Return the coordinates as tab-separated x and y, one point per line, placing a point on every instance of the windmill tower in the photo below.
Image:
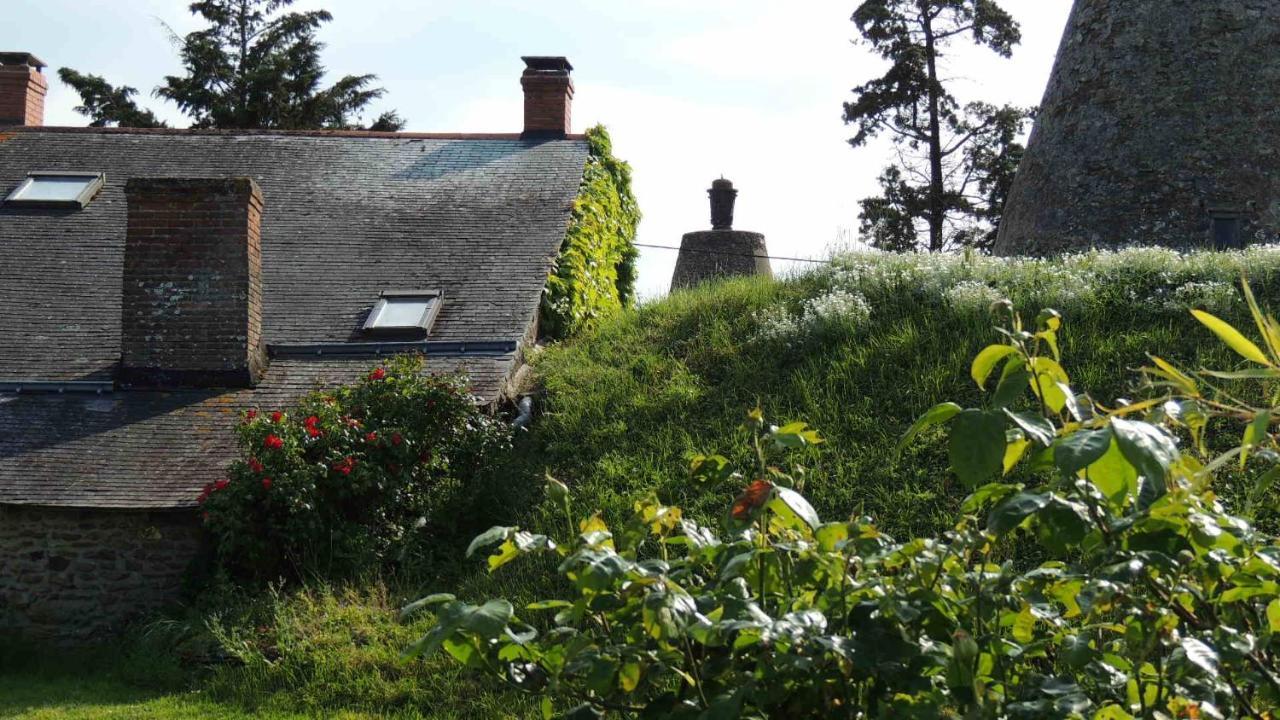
1160	126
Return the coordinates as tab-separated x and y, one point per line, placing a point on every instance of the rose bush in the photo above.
345	479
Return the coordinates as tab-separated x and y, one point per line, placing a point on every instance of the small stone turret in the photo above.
720	251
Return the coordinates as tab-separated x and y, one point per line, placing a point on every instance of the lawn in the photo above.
857	350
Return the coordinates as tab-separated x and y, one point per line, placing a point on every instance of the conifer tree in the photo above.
254	66
955	163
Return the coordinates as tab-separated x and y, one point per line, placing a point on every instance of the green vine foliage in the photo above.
596	273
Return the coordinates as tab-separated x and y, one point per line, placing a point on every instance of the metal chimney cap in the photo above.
547	64
22	58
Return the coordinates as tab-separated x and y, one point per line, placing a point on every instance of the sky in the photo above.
751	90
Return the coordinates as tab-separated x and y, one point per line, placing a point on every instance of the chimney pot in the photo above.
22	89
548	96
192	285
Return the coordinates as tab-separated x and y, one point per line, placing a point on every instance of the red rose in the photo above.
254	465
221	484
313	431
396	439
266	483
751	499
205	492
311	420
377	374
272	442
250	414
345	465
371	437
277	416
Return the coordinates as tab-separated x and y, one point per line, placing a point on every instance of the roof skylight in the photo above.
56	189
404	310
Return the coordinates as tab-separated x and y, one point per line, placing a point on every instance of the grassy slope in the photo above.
627	405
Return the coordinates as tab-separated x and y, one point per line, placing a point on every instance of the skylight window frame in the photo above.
434	298
96	180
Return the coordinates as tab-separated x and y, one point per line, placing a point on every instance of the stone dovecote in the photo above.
720	251
1158	127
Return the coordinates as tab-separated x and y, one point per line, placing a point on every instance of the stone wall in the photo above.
1159	126
76	575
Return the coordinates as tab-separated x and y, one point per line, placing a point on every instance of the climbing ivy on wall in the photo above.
596	273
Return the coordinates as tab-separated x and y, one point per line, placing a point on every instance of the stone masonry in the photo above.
75	575
192	295
721	251
1160	126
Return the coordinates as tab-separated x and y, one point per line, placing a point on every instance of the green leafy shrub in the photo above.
1156	601
596	272
344	480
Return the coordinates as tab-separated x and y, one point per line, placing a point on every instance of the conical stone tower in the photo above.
1160	126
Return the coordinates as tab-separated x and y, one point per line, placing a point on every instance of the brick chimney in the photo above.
22	89
192	295
548	97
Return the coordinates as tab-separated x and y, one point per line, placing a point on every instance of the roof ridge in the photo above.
372	134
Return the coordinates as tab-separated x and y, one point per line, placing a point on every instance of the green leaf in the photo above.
1201	655
1036	427
1112	712
1113	475
986	495
789	502
548	605
935	415
795	435
427	601
1024	625
1013	382
1050	383
489	537
1013	452
629	676
1273	616
1243	346
1080	449
977	446
1146	447
548	710
986	361
1255	434
1010	514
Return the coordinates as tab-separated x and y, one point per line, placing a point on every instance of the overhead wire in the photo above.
735	254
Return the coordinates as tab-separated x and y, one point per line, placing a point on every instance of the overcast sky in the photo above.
751	89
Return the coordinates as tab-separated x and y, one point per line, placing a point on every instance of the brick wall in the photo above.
192	295
76	575
22	91
548	104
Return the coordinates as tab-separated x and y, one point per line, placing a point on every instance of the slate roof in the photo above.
346	216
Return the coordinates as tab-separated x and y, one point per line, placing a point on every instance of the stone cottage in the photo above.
156	283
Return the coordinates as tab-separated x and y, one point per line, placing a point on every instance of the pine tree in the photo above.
955	163
105	104
254	66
